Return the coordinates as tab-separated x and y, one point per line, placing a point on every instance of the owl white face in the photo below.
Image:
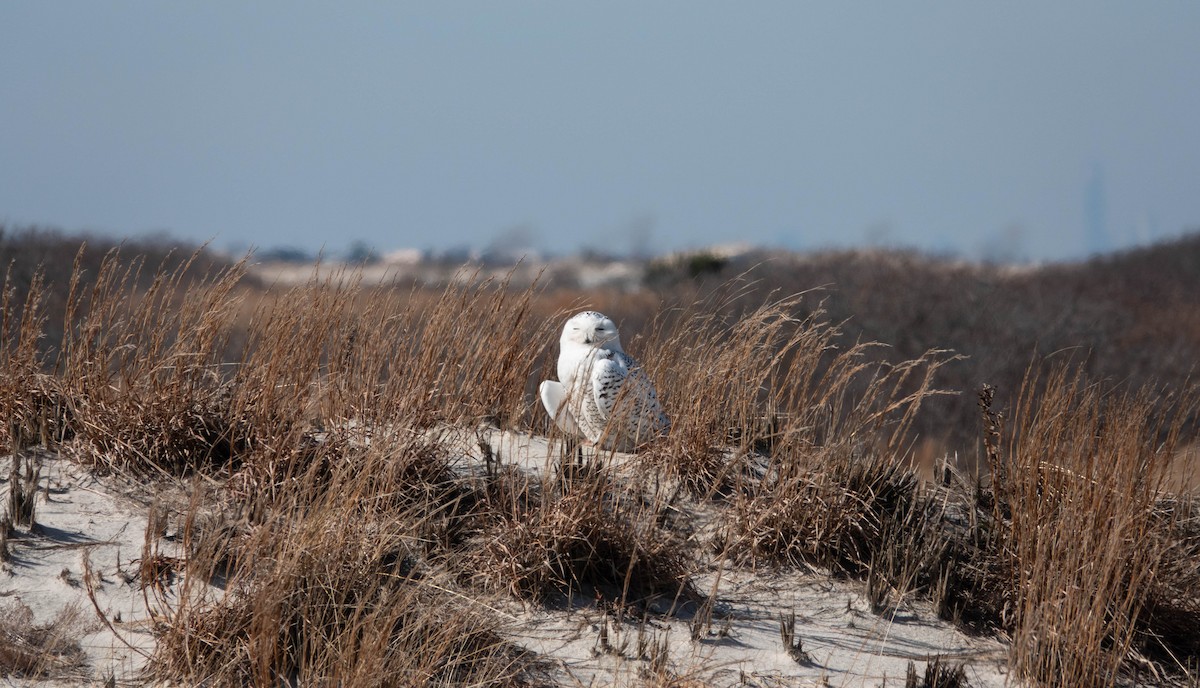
592	329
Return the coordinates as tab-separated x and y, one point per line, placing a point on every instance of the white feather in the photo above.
602	394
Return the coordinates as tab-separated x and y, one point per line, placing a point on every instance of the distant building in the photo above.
404	256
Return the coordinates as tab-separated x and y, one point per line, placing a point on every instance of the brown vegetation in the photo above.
338	536
38	650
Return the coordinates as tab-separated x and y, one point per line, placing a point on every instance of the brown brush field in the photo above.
353	483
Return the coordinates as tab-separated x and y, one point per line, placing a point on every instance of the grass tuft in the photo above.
936	675
591	541
40	650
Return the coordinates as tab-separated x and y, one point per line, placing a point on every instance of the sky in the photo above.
1022	130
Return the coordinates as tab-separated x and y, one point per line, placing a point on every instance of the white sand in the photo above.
82	517
106	519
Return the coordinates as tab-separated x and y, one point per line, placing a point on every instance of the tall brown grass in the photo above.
1084	534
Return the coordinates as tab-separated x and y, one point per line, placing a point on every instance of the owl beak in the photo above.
587	339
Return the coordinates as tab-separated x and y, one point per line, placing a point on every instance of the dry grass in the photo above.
1079	531
335	534
38	650
936	675
594	540
334	598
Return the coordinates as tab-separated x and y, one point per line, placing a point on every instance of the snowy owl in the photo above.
598	383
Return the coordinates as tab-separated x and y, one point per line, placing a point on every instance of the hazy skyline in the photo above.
1022	129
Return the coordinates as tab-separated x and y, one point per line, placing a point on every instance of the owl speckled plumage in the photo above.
601	393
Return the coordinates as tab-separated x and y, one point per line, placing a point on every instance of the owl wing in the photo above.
617	377
554	396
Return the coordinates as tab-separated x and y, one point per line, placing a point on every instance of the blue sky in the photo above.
970	127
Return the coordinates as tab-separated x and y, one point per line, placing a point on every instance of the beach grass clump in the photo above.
1079	530
593	540
341	577
334	598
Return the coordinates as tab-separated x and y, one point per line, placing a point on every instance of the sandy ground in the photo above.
89	534
846	644
104	521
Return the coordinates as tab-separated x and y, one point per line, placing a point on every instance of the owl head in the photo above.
591	329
